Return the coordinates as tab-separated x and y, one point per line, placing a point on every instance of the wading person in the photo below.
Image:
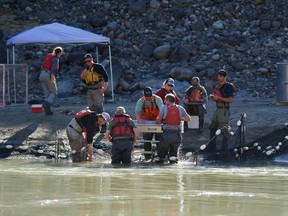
96	79
147	108
121	132
167	88
195	101
80	132
47	78
223	96
171	115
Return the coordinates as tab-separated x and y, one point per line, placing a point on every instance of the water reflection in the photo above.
48	188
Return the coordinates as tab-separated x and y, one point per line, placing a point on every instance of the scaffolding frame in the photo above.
8	70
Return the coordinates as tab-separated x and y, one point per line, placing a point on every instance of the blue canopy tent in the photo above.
56	33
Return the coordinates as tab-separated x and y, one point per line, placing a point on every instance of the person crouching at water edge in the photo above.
171	138
80	132
121	132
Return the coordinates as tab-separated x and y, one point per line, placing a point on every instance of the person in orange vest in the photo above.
223	96
80	132
147	108
122	133
167	88
170	115
195	101
47	78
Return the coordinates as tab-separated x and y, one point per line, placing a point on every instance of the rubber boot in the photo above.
201	123
224	147
212	145
47	108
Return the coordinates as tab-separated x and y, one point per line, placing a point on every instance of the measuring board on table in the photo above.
152	127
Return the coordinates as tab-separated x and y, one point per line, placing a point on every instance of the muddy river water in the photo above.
35	187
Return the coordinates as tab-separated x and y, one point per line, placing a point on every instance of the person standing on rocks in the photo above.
195	101
167	88
47	78
223	96
80	132
147	108
96	79
170	115
122	134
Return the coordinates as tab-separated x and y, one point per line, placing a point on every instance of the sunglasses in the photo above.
87	61
170	85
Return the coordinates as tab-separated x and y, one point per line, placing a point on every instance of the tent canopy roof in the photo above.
56	33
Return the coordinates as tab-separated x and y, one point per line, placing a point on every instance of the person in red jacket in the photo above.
167	88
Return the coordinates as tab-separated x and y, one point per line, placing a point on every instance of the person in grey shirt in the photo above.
170	115
47	78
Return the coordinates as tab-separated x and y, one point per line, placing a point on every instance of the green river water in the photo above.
39	188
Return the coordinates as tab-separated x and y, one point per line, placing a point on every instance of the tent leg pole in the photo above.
111	73
97	54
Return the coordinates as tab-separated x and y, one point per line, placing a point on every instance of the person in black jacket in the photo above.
81	130
96	79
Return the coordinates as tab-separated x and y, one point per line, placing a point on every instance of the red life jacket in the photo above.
122	127
220	90
173	116
47	62
150	112
82	113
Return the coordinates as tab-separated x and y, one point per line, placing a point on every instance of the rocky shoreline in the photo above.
34	135
154	39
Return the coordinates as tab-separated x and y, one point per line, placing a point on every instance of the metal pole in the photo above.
26	70
111	73
97	54
14	82
4	84
7	57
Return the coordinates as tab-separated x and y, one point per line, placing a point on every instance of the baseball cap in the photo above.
169	81
120	109
88	55
195	81
106	116
147	92
222	72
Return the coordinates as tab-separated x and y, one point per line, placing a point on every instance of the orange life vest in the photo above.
150	112
173	116
195	95
122	127
47	62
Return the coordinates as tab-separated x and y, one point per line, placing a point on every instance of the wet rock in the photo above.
162	52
